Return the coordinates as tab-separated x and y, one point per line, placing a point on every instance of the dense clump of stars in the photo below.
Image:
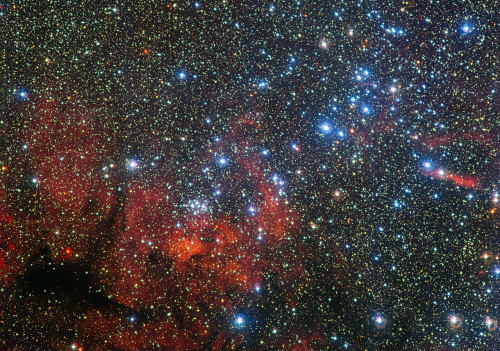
293	175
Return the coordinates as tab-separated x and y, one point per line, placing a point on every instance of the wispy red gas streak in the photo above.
461	180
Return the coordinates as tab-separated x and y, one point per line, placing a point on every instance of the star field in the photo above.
247	175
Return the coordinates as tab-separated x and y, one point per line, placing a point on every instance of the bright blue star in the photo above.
496	271
132	164
239	321
22	95
325	128
427	165
252	210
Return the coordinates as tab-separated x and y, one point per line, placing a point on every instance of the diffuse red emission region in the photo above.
10	264
480	139
461	180
197	266
384	126
68	150
212	261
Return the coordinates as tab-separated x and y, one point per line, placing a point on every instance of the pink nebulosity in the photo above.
480	138
464	181
69	148
461	180
165	255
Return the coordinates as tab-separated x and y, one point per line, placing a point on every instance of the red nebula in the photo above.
145	247
69	148
168	256
480	138
461	180
464	181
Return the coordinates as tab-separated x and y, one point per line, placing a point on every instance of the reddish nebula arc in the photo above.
465	181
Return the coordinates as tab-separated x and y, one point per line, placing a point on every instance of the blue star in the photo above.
427	165
132	164
239	321
325	128
22	95
263	85
466	28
